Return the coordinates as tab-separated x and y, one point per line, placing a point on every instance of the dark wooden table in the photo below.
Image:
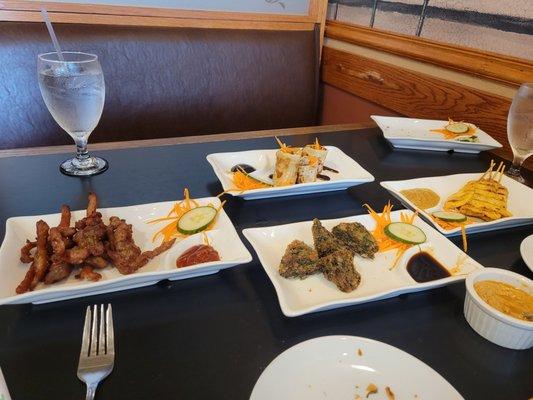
211	337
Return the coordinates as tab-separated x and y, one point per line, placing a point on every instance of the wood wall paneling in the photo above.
340	107
415	94
507	69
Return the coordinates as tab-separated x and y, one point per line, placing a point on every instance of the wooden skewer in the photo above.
280	143
499	167
488	171
496	172
501	174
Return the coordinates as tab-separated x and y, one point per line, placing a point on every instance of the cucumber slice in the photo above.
469	139
457	127
405	233
450	216
196	220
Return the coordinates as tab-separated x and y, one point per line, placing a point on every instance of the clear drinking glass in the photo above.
74	92
520	129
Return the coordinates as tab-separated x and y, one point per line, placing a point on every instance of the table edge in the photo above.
42	150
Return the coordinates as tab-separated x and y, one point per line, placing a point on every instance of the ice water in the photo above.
74	98
520	123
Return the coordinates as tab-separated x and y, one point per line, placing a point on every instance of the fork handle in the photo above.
91	390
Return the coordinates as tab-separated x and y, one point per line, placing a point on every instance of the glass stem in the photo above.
514	170
81	150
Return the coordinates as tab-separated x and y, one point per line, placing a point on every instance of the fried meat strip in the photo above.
57	242
25	285
57	272
40	261
122	250
91	237
76	255
25	255
88	274
64	225
146	256
91	230
96	262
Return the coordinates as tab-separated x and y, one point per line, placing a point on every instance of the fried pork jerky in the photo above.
299	261
338	267
325	242
356	238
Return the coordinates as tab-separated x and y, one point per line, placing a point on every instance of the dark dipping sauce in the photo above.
424	268
243	167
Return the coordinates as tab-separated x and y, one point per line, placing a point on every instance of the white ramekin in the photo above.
492	324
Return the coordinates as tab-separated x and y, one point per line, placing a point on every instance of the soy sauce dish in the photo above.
496	326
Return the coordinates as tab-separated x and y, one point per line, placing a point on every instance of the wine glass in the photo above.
74	92
520	129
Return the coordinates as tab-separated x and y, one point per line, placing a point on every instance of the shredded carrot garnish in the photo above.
286	149
386	243
244	182
449	225
170	231
316	145
450	135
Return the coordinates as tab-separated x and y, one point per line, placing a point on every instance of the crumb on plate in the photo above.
371	389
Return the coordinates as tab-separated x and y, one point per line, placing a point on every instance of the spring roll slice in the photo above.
286	171
308	169
320	154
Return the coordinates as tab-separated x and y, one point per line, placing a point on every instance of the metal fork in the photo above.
97	354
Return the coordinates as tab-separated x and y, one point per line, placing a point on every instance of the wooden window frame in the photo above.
29	11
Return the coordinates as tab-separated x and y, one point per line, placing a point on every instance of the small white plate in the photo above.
526	250
330	367
223	238
519	203
315	293
411	133
350	173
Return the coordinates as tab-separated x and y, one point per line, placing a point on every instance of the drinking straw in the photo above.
52	34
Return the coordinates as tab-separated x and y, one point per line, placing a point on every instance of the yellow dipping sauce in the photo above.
421	197
505	298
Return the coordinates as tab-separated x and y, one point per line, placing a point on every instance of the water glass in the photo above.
520	129
73	90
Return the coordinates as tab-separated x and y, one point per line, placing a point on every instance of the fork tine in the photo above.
86	338
110	334
94	333
101	330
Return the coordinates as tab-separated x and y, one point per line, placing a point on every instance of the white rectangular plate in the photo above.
350	173
520	201
222	237
315	293
411	133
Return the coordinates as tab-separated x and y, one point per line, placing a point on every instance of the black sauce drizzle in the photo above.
326	168
243	167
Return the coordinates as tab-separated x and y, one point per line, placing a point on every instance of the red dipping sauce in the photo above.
196	255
